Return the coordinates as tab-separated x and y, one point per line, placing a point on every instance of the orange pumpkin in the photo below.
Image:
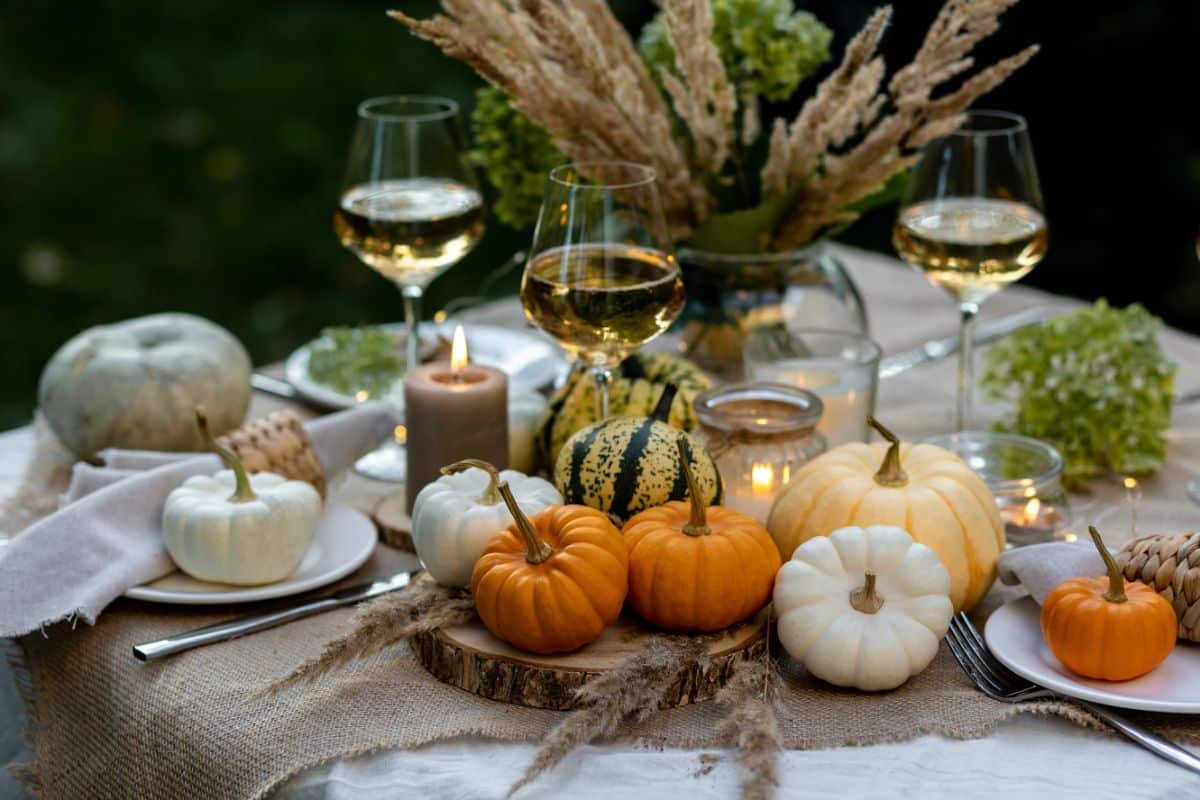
1106	628
552	583
698	569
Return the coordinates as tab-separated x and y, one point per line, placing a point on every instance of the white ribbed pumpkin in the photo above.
927	491
455	516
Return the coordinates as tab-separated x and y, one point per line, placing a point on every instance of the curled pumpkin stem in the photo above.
244	492
698	520
536	549
1116	580
865	598
890	473
491	495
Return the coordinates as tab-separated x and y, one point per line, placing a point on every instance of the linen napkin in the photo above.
107	537
1041	567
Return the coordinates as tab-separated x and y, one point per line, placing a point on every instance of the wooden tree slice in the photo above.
393	523
470	658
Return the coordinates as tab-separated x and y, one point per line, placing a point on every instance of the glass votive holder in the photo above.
1024	474
759	434
840	367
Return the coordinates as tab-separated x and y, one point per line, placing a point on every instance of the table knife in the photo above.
223	631
937	349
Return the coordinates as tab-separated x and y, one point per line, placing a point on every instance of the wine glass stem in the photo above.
966	372
603	378
412	315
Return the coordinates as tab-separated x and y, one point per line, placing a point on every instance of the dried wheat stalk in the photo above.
704	98
635	687
571	68
886	126
383	622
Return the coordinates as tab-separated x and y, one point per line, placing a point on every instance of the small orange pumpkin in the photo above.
698	569
1106	628
552	583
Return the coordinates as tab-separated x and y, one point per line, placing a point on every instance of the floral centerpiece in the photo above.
747	198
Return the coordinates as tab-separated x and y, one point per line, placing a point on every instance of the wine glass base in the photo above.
387	463
1193	490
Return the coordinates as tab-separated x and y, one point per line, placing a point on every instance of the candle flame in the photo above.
762	478
458	350
1032	508
1130	483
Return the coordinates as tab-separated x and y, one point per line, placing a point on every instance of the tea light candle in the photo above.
1032	521
453	410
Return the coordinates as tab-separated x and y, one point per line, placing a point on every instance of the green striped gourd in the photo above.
635	388
624	465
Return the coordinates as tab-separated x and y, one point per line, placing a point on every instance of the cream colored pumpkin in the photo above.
456	516
863	608
928	491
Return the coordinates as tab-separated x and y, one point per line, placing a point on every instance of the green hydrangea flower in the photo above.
515	155
1095	384
768	48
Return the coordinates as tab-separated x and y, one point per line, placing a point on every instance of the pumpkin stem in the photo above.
865	598
890	473
1116	581
243	492
490	495
662	410
536	550
697	524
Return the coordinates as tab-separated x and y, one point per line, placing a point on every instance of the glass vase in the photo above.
729	297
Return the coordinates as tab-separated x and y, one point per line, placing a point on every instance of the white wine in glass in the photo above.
972	221
410	210
601	277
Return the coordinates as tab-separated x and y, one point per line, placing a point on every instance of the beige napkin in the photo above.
1041	567
106	537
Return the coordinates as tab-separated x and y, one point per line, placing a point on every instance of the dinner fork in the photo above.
1000	683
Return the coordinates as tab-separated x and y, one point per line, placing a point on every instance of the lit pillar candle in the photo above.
847	396
453	410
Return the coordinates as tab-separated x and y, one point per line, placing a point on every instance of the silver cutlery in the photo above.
276	387
223	631
999	683
938	349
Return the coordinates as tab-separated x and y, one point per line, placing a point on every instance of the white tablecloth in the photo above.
1027	757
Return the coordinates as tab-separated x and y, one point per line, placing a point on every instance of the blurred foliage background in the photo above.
187	156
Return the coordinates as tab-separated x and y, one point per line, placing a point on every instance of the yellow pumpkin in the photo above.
552	583
697	569
1106	628
928	491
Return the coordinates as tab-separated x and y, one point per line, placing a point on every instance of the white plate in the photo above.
344	539
530	362
1014	636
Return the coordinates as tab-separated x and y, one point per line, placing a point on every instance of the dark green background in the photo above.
186	156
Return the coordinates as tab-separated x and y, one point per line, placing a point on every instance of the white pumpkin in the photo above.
525	409
455	516
215	534
863	607
135	384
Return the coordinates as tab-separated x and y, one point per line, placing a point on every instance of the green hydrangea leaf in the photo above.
1095	384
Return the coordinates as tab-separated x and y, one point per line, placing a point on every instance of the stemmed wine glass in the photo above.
972	220
409	209
601	276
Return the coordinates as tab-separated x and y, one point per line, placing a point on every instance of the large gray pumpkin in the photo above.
136	384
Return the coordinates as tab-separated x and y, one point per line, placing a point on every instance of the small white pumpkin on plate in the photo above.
237	529
455	516
864	608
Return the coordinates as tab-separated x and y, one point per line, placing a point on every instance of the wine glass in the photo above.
409	209
972	220
601	276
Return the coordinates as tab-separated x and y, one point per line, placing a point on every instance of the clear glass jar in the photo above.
760	434
1024	474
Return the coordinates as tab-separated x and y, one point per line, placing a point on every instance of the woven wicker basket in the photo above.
1171	564
277	443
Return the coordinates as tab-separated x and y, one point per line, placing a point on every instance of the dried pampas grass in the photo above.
383	622
750	721
885	127
634	688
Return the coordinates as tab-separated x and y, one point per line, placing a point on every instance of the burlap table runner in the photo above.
106	726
